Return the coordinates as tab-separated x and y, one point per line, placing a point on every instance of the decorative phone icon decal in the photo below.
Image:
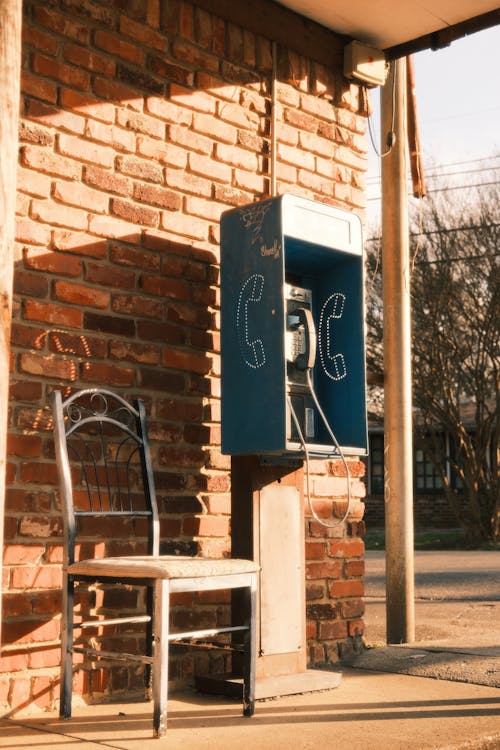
333	363
252	350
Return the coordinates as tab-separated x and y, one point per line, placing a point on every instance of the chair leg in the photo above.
66	680
250	652
160	656
148	672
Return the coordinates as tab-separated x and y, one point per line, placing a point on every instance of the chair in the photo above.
106	477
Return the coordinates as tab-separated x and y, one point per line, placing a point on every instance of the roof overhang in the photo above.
402	27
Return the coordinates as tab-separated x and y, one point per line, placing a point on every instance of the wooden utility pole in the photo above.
400	607
10	68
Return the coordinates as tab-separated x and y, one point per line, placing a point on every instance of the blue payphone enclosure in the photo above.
266	246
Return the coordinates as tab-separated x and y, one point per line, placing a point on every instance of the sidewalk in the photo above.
438	694
368	711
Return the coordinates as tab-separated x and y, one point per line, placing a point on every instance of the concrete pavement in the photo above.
368	711
457	618
389	705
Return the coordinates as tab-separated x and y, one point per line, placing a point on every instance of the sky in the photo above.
458	107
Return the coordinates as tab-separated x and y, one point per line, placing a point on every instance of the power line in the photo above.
438	175
435	167
449	187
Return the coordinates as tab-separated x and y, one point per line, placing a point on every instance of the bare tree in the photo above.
456	319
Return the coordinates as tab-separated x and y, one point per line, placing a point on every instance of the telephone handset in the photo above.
301	333
301	357
303	347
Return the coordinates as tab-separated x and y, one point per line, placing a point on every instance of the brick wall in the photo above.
429	512
141	122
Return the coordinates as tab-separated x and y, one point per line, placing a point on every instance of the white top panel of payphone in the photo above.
321	225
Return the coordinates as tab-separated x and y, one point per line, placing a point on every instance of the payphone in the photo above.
292	324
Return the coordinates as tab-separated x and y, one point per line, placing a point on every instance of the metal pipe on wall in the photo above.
400	605
10	71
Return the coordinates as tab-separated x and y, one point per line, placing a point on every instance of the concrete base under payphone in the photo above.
268	526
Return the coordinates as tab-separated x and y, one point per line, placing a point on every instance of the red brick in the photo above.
112	91
30	284
76	194
77	294
47	602
181	360
164	287
77	344
325	569
20	554
61	24
25	446
43	161
188	183
87	58
42	688
131	256
87	105
346	548
140	123
54	314
342	589
118	278
33	183
155	330
157	196
78	243
249	181
39	631
32	133
28	390
134	213
52	213
115	45
186	137
186	52
31	232
40	40
119	138
47	366
108	226
48	261
134	352
206	526
133	304
94	372
355	568
315	551
168	111
332	630
104	180
47	66
85	151
55	116
143	34
40	526
19	695
203	208
352	608
38	87
141	168
109	324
